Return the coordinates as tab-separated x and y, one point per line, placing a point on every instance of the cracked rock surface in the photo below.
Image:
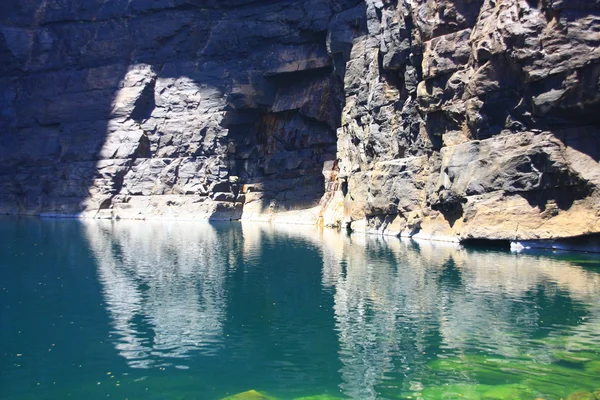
469	119
448	119
166	108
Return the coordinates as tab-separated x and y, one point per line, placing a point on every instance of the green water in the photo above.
155	310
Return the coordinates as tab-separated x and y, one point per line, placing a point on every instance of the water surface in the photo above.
175	310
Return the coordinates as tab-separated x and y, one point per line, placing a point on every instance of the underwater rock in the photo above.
508	392
593	367
581	396
249	395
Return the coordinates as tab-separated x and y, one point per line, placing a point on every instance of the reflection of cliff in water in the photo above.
391	295
396	305
163	278
505	298
393	299
382	312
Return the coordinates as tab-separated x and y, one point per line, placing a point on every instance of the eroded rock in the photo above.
489	114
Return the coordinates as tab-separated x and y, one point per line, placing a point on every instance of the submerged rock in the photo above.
250	395
581	396
593	367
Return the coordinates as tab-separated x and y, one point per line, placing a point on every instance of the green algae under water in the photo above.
175	310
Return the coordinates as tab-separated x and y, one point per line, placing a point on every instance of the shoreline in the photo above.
581	244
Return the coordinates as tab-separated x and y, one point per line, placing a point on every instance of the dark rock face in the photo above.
176	108
457	118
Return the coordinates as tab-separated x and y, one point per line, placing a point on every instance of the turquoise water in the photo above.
156	310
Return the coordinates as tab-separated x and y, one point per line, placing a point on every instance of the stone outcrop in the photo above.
471	119
454	119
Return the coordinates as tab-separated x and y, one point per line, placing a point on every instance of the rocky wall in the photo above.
470	119
166	108
454	119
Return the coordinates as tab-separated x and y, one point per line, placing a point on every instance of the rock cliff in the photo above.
166	108
471	119
455	119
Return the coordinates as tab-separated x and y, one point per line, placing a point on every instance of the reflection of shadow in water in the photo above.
399	304
163	285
